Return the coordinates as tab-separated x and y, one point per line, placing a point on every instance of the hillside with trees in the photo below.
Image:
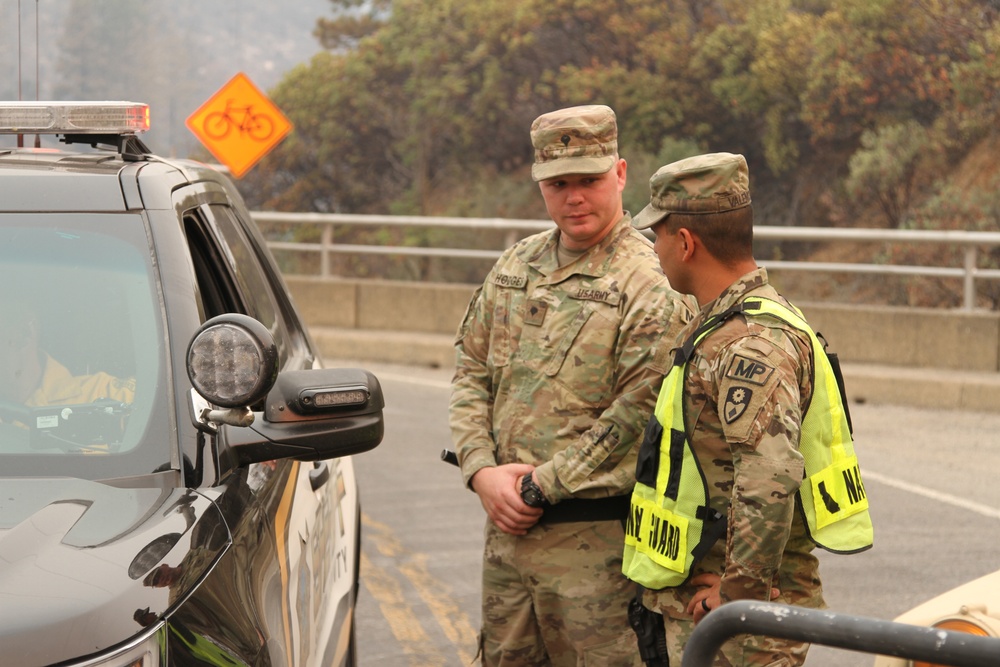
850	112
871	113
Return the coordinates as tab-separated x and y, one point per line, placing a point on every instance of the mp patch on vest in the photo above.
735	405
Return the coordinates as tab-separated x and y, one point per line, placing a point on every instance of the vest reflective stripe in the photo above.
665	532
832	496
667	518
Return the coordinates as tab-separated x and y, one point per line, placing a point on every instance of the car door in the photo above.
302	504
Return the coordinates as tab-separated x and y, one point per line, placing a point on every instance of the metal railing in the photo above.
853	633
971	243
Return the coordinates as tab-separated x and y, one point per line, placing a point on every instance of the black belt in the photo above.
614	508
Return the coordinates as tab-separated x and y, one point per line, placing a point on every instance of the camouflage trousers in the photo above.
740	651
556	596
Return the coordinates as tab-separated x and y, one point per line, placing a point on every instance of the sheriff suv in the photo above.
176	484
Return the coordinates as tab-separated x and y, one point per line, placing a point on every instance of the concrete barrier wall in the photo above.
910	337
904	337
380	305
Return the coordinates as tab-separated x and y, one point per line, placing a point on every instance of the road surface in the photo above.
931	478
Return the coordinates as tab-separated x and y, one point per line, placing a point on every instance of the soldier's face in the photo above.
669	249
585	206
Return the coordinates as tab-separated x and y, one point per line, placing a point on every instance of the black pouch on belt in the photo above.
649	632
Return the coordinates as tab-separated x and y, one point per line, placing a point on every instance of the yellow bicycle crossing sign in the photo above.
239	124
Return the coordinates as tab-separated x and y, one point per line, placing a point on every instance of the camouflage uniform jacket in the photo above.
744	432
555	365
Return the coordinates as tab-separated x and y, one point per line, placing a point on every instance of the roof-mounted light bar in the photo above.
73	118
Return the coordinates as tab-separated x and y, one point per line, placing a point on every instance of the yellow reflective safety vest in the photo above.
670	524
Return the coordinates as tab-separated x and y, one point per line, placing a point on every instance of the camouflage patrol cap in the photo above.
577	140
710	183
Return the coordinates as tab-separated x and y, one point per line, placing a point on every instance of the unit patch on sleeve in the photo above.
745	369
737	400
742	406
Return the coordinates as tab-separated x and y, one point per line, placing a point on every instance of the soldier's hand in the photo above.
708	597
499	490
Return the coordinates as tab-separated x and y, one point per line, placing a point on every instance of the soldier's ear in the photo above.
687	243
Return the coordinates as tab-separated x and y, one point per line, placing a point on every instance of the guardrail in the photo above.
854	633
971	244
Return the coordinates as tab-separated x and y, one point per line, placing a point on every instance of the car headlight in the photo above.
966	623
147	650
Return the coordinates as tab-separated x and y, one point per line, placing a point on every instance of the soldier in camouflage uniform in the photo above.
554	360
747	384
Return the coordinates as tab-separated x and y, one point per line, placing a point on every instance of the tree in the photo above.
424	107
882	62
884	169
976	80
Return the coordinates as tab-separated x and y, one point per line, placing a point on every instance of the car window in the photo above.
260	301
81	344
217	292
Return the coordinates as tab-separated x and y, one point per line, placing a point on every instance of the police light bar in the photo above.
73	118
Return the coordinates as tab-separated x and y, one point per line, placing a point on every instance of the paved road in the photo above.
930	476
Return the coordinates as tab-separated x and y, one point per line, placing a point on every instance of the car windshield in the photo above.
81	348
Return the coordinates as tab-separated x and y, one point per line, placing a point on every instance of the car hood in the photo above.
85	566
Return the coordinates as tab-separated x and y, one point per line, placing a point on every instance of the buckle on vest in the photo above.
708	514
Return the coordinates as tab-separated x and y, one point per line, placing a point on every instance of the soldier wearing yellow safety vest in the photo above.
748	461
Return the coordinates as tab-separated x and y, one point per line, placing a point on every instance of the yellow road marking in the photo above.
401	617
453	621
402	620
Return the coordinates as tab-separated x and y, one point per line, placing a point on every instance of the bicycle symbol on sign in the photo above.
219	124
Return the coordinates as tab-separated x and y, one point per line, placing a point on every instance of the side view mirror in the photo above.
308	415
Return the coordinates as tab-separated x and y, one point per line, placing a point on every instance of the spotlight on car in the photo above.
232	361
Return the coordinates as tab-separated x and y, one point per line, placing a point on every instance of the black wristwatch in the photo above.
531	494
